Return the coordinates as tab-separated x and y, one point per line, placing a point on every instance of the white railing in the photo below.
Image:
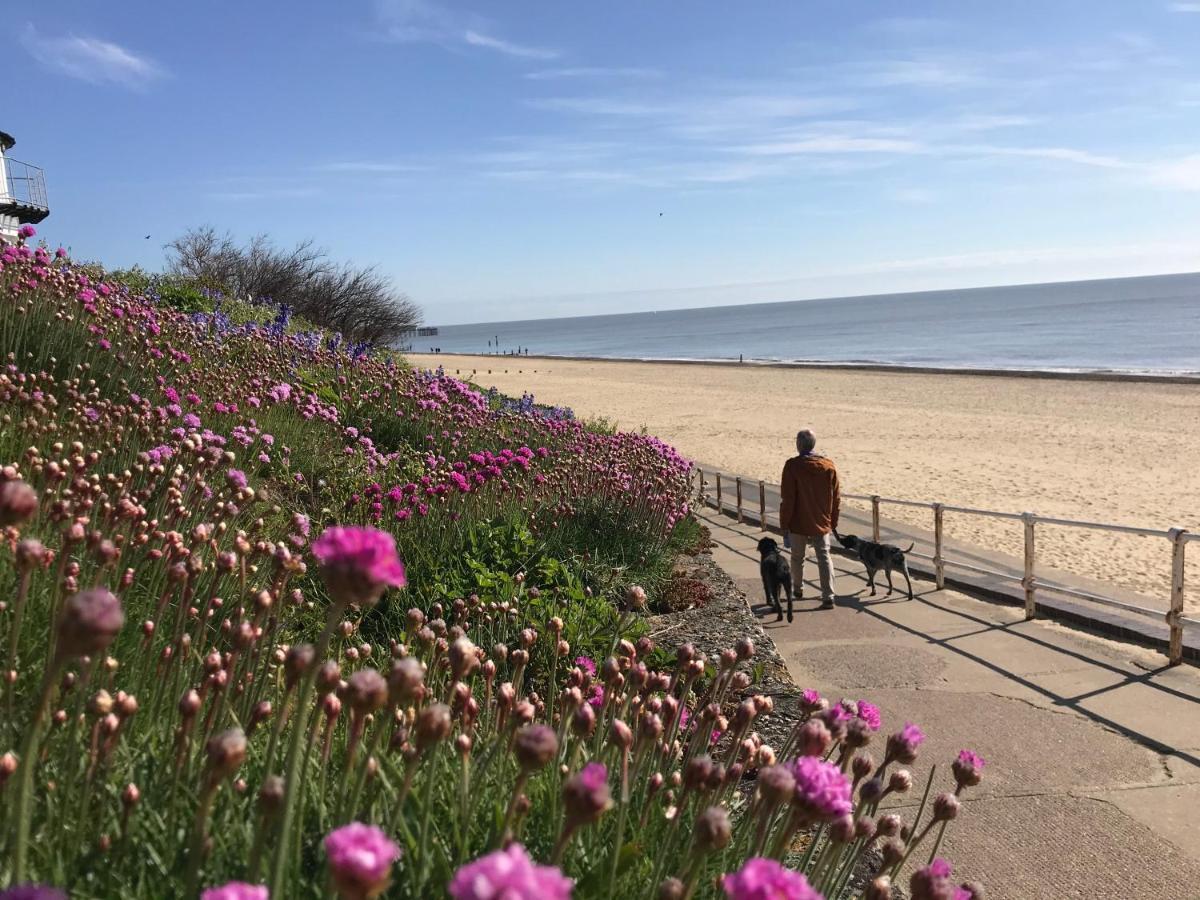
1179	538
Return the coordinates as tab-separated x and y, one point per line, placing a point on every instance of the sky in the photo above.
521	159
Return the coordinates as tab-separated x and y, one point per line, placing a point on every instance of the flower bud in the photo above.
945	807
271	795
879	889
813	738
776	784
900	781
713	830
366	691
433	725
535	746
672	889
18	503
88	623
226	752
889	825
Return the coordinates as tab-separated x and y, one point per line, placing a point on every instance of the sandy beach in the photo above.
1108	451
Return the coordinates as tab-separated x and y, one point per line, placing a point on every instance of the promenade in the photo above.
1092	785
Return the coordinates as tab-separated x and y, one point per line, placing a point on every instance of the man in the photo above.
809	511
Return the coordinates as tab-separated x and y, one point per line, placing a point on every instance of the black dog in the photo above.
878	556
776	575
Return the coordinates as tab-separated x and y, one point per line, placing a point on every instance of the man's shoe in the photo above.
827	604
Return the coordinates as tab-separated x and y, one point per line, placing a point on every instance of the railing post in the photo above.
718	477
762	505
1028	582
939	564
703	489
1175	650
738	484
875	518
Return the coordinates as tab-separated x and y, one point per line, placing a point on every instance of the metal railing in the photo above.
26	184
1179	538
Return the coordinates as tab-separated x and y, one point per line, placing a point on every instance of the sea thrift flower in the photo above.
360	860
18	503
358	563
236	890
932	882
968	769
89	622
869	713
586	796
26	231
236	478
822	791
902	746
508	874
766	879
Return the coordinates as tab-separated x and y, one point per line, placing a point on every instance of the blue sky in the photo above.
527	159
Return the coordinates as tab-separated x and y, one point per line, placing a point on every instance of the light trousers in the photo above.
820	547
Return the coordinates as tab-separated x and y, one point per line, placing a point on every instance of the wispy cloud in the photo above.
423	21
1181	174
593	72
370	167
1184	7
477	39
835	144
91	59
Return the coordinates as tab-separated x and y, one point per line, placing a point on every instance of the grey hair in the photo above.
805	440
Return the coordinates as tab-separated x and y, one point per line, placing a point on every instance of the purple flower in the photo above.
869	713
822	791
26	231
358	563
932	882
968	769
360	859
236	890
902	745
236	478
191	420
585	795
509	875
765	879
586	664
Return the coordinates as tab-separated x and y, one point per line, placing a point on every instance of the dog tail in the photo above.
910	546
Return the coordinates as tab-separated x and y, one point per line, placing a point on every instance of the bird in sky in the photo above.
147	237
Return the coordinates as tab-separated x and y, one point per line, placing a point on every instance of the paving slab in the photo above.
1057	847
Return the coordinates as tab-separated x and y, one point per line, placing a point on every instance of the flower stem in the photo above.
29	751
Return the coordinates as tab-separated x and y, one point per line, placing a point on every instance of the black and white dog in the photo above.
776	576
878	556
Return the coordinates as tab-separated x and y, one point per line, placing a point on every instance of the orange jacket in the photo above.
810	495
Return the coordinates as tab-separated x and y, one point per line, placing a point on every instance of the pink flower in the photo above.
932	882
236	890
869	713
236	478
765	879
509	875
822	791
358	563
902	745
26	231
586	664
360	860
968	769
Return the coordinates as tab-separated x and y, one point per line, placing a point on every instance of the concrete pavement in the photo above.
1092	784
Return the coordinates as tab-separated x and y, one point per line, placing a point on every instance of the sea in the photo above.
1143	325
